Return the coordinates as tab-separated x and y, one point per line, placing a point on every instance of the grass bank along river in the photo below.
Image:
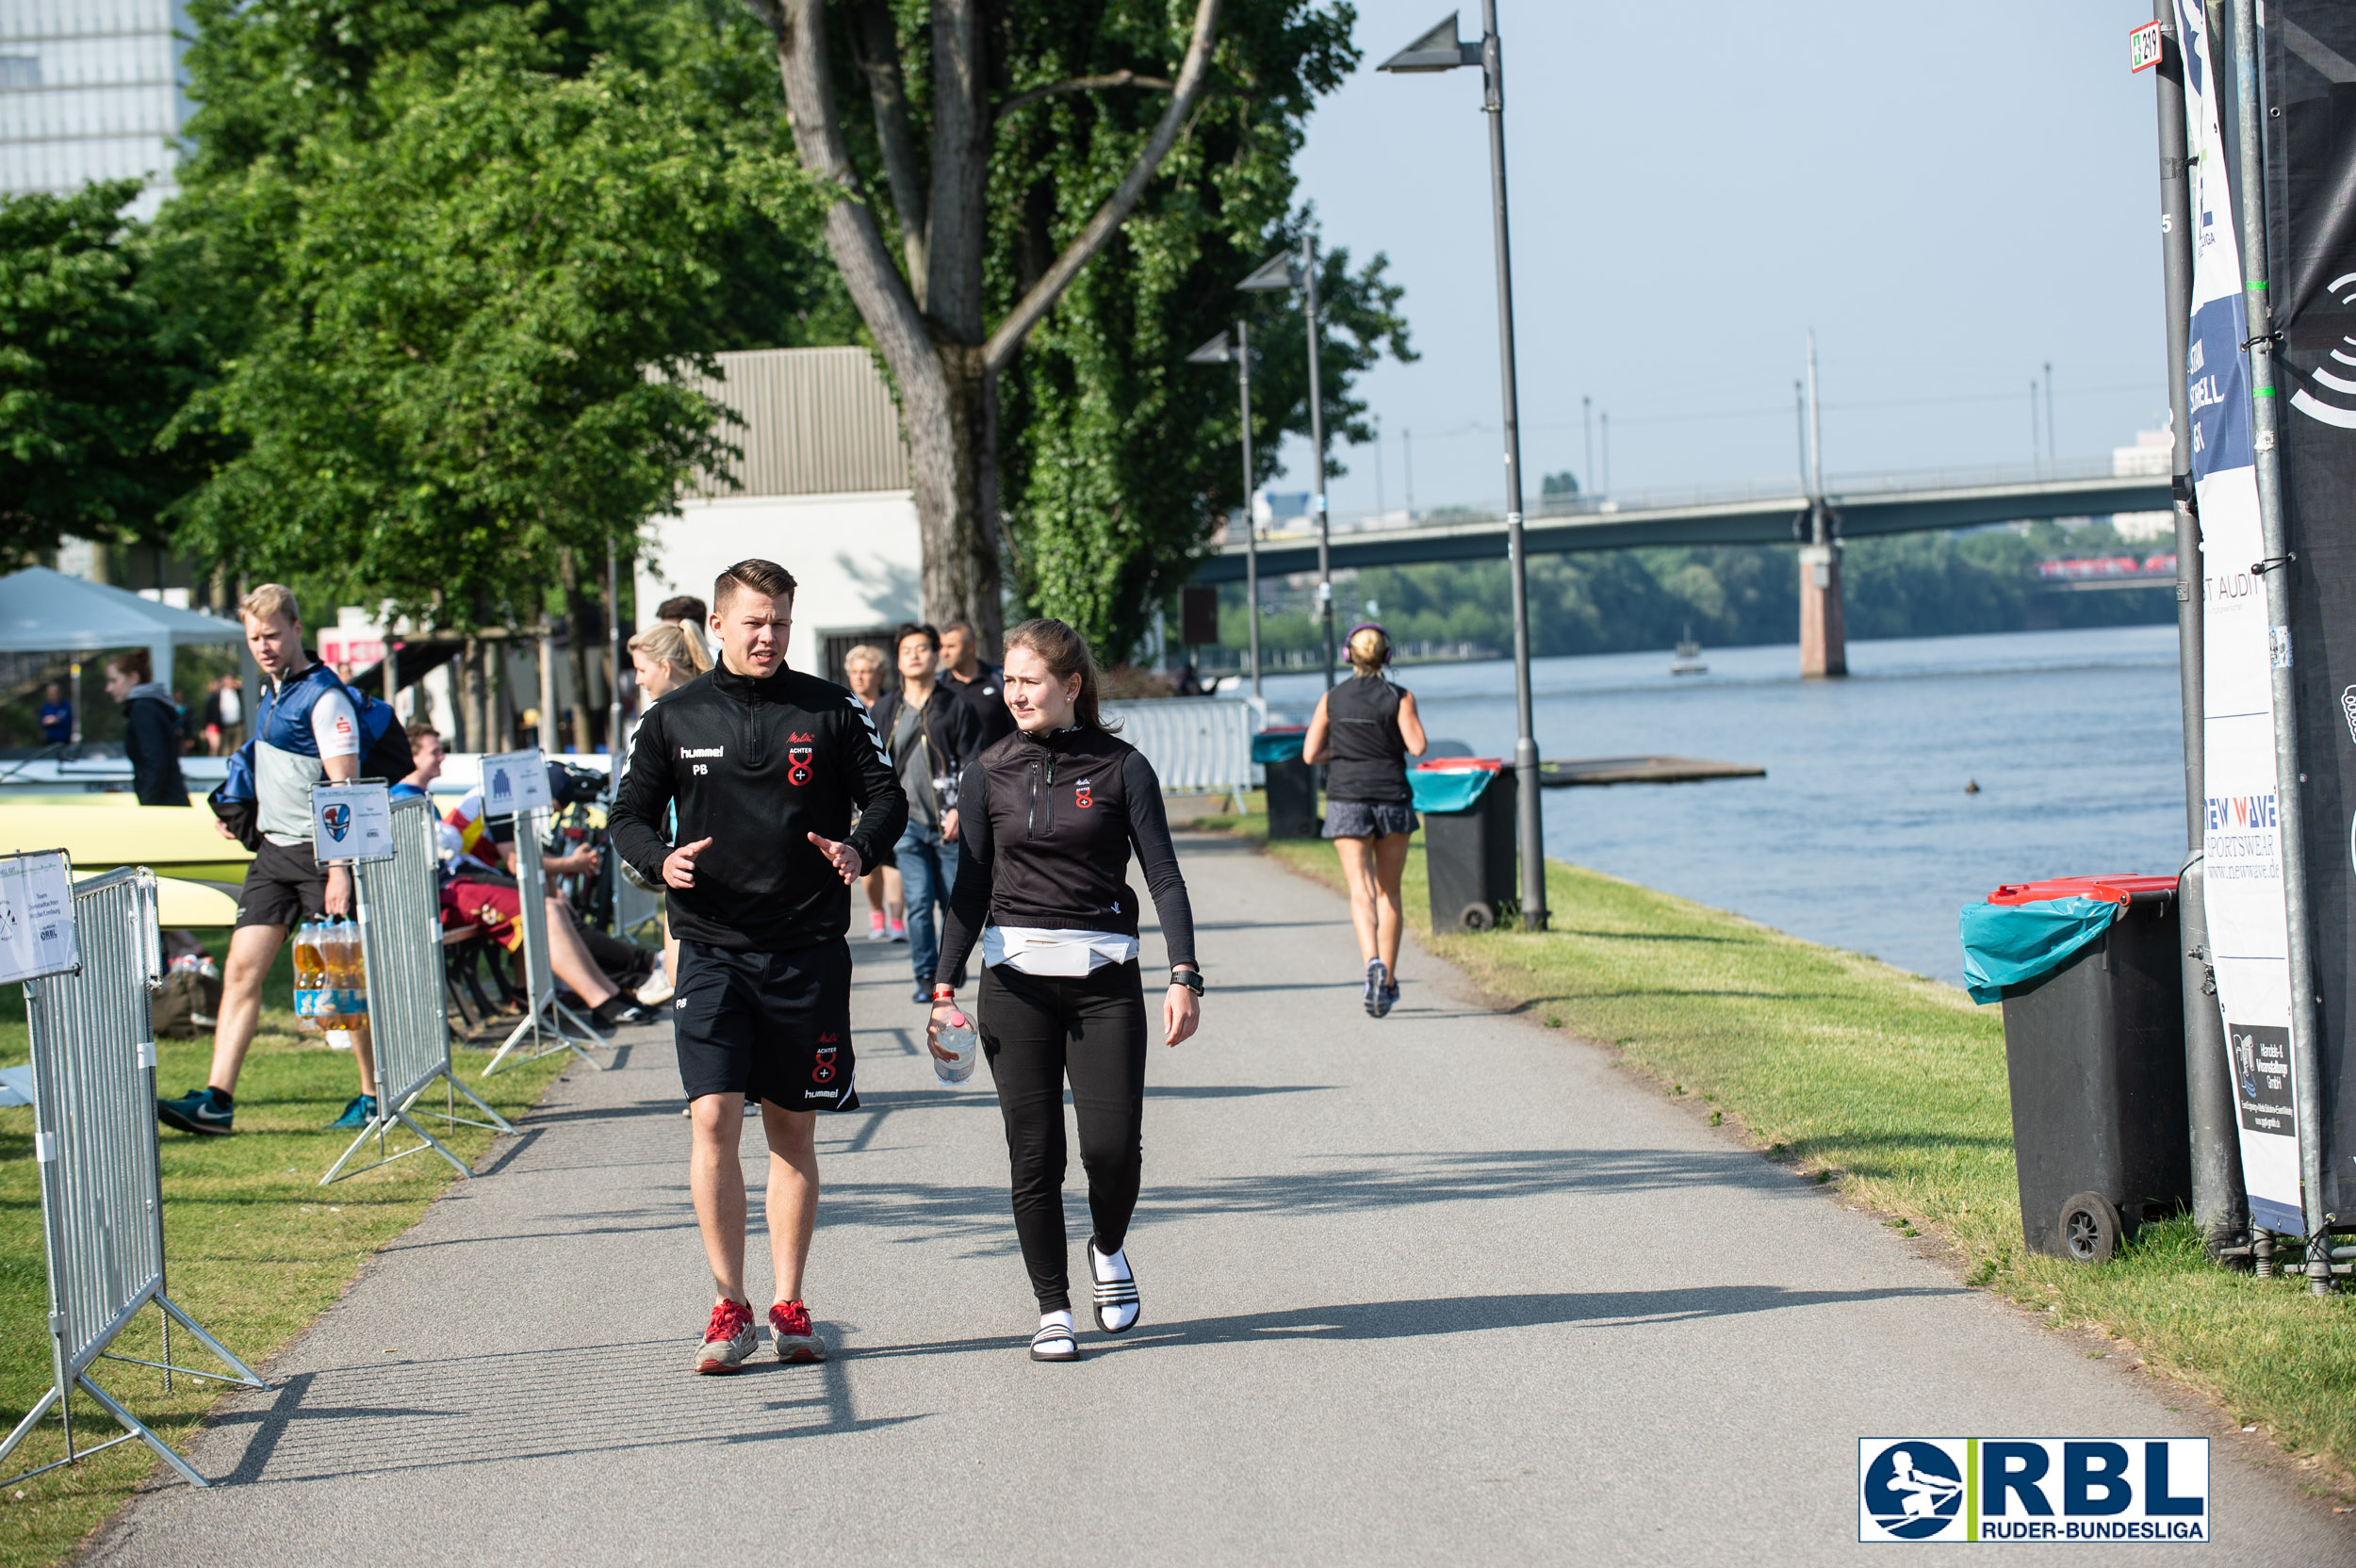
1893	1087
1862	835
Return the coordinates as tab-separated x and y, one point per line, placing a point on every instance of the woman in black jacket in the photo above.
151	730
1050	816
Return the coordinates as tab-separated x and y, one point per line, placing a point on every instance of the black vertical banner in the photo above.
2308	59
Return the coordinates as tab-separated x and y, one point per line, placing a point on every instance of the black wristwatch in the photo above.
1190	978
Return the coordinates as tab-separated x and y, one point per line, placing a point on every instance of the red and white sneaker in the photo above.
728	1338
796	1337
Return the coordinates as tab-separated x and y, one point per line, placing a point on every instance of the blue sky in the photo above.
1952	198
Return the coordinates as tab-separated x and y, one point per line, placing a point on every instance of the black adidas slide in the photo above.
1053	1342
1113	1295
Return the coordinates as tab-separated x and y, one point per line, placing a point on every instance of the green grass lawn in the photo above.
255	1251
1893	1087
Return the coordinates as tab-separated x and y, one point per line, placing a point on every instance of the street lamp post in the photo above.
1441	50
1285	272
1219	351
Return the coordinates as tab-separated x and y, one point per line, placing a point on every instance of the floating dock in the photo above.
1565	772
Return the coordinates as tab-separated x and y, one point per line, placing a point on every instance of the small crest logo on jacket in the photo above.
797	756
1081	795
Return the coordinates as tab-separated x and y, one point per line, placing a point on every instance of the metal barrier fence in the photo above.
546	1019
101	1198
1196	744
400	908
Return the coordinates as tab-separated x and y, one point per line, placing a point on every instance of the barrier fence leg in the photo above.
32	1419
530	1025
134	1427
499	1122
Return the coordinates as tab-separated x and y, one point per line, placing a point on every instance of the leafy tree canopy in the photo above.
86	376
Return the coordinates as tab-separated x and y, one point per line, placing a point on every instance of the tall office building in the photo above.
90	89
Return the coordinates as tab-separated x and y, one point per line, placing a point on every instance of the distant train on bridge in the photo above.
2108	569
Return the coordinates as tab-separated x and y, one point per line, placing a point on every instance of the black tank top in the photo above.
1368	755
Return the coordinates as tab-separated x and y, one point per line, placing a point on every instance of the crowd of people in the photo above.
983	810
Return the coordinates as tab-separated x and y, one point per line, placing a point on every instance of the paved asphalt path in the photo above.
1446	1286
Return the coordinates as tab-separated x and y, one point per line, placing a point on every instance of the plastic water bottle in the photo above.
958	1037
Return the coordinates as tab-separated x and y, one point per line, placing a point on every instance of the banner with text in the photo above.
2309	57
2242	842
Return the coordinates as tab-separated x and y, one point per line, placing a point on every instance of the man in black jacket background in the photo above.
151	730
765	765
930	733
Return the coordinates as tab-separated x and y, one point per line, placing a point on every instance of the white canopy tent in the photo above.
46	612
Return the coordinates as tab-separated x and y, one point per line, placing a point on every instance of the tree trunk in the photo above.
938	353
580	641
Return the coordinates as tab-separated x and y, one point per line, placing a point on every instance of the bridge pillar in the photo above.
1823	640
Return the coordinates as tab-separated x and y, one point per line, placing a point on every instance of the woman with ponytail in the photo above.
1049	816
1364	729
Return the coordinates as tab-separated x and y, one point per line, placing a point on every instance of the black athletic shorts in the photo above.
774	1025
282	883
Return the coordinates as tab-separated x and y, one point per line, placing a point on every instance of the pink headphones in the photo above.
1375	627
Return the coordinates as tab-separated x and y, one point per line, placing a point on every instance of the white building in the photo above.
822	489
92	90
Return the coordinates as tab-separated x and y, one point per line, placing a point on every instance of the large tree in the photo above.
449	391
88	377
961	69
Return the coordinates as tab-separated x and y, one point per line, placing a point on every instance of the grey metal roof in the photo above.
817	422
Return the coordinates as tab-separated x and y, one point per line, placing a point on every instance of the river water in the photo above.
1863	834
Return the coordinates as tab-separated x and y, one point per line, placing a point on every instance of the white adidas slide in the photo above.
1053	1342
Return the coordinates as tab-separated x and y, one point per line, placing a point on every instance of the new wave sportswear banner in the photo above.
2308	59
2242	839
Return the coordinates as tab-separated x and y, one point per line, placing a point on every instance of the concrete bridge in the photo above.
1896	503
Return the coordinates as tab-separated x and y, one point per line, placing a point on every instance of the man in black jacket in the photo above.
930	734
151	730
766	764
982	684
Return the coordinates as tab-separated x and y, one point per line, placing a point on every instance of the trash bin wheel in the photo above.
2090	1228
1478	917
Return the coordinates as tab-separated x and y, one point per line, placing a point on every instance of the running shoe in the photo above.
899	930
878	930
361	1112
197	1111
794	1335
728	1338
618	1012
1378	976
1387	999
658	989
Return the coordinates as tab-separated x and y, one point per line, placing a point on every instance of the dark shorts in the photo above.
773	1026
283	884
1368	819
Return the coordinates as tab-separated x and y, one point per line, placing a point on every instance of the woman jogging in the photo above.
1050	814
886	910
666	657
1364	730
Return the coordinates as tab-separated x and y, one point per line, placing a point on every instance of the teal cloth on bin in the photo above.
2011	944
1278	746
1447	789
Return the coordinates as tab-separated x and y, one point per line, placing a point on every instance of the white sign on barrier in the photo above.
352	822
37	916
514	782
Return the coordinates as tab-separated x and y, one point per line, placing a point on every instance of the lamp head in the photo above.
1439	49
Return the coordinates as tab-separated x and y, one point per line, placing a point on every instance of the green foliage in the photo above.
437	246
1621	601
88	377
444	380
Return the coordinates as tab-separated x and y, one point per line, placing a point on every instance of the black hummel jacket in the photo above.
1046	825
754	766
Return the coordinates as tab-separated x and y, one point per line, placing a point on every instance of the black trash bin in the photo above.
2094	1050
1291	783
1466	804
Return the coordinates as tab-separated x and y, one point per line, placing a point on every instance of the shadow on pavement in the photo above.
1388	1181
